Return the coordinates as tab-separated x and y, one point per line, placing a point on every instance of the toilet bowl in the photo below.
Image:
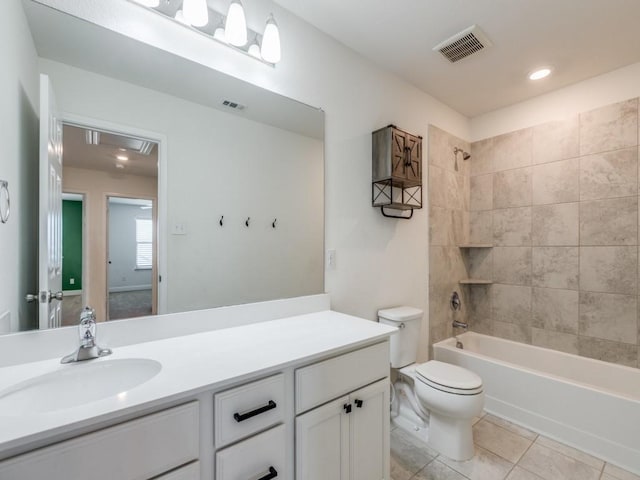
452	395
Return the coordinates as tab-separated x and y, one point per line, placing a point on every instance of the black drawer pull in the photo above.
272	474
358	403
245	416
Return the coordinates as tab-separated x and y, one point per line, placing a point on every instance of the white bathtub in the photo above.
590	404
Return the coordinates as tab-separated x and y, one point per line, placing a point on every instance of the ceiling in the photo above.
578	38
78	154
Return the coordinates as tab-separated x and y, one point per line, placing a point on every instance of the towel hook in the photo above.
5	201
247	222
274	223
221	221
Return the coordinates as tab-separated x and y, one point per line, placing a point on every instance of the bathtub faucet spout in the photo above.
459	324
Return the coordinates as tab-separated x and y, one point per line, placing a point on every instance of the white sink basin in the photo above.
76	384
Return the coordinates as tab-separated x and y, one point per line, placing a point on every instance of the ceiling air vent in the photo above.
234	105
463	44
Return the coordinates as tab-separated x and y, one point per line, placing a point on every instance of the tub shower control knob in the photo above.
455	301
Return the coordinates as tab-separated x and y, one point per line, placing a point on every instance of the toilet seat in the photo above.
449	378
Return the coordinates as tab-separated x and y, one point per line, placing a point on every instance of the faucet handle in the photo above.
87	326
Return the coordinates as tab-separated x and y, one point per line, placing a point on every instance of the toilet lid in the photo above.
448	375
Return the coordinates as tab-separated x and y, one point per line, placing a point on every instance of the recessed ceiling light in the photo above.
122	158
540	73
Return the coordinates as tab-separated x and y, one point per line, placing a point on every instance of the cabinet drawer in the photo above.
134	450
250	408
257	458
188	472
326	380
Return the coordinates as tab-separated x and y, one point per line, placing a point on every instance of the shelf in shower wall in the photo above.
475	281
476	245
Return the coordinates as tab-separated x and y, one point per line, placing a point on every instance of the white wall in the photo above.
123	275
612	87
18	165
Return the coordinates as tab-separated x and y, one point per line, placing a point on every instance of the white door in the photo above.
369	432
322	442
50	250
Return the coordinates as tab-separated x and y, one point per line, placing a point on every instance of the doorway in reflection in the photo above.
114	254
131	260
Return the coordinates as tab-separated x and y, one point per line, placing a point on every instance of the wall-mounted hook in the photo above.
221	221
247	222
274	223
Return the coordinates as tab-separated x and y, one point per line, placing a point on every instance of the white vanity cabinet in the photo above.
314	406
138	449
348	437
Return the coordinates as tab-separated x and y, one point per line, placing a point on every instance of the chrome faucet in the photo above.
459	324
88	348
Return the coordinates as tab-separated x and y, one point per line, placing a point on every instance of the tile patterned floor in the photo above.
504	451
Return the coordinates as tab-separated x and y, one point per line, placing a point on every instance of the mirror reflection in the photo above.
235	195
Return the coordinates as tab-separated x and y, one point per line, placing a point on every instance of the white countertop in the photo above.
192	364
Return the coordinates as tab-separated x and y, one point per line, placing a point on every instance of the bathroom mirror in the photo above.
240	190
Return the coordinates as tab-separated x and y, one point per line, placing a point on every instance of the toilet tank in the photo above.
404	344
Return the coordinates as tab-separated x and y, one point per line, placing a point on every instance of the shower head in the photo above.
465	155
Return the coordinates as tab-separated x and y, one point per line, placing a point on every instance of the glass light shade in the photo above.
149	3
236	26
270	50
254	50
195	12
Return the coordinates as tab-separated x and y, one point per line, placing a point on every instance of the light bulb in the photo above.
218	34
254	50
180	17
149	3
195	12
540	73
270	50
236	26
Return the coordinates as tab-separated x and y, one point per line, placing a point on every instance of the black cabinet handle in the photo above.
358	403
347	407
240	417
273	473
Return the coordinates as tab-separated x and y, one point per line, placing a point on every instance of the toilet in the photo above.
452	395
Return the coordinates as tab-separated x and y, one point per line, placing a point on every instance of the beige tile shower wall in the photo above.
449	201
559	204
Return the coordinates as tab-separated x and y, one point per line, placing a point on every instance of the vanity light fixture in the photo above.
235	28
231	29
540	73
270	50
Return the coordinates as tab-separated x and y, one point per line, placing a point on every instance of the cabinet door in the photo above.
398	153
369	432
413	170
322	443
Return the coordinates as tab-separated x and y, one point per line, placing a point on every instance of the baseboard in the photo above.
130	288
72	293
